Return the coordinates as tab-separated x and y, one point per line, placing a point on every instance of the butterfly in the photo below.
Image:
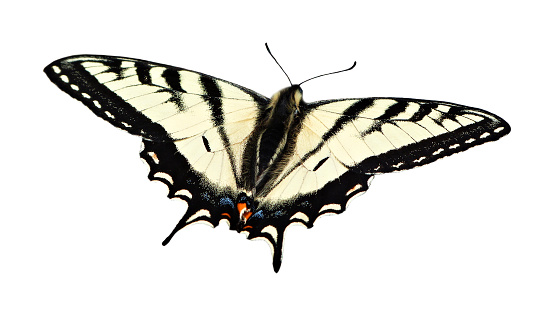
262	163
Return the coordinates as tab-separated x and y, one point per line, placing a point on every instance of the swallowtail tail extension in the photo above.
263	163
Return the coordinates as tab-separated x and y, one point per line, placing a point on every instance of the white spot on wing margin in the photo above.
440	150
272	231
330	207
199	213
184	192
360	192
301	216
164	176
154	157
355	188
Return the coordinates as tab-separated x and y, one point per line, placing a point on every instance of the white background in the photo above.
81	226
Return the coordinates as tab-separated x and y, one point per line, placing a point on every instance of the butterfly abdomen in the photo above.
270	144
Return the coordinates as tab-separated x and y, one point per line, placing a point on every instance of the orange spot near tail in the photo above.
247	215
241	206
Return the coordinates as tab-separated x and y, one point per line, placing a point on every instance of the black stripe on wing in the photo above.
216	109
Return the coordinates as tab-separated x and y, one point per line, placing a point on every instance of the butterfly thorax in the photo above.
276	124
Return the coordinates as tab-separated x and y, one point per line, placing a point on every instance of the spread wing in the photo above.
341	144
379	135
193	125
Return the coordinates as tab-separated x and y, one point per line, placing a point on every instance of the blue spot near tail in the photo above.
227	202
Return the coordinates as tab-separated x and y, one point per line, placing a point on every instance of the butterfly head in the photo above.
296	96
288	100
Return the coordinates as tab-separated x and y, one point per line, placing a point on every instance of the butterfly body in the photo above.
271	141
261	163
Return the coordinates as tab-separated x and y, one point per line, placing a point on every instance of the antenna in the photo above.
325	74
330	73
267	48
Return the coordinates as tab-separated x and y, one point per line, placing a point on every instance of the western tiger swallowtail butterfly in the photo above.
263	163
